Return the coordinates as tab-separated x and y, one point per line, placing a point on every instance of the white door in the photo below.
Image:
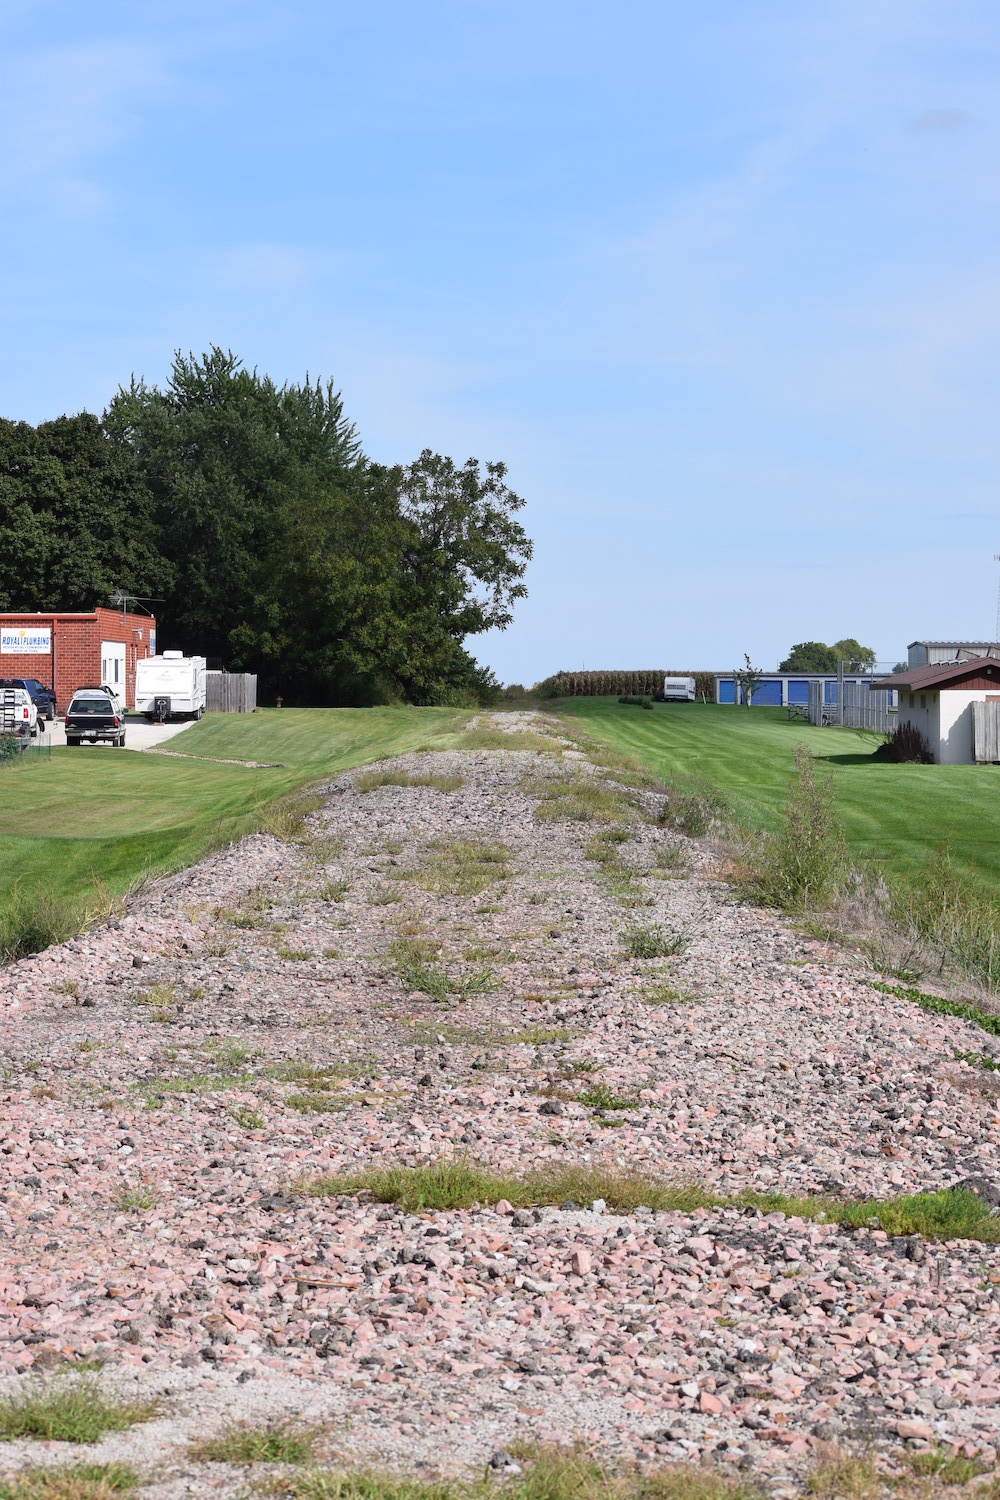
113	667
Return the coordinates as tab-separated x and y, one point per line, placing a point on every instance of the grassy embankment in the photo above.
893	815
78	829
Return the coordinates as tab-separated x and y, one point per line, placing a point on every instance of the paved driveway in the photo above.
139	735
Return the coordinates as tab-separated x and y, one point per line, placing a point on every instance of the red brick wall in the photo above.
76	654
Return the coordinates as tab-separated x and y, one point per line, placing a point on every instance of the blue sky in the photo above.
720	284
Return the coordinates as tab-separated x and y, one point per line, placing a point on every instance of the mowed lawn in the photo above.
895	815
83	825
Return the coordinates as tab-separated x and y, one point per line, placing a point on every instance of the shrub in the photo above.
905	743
803	865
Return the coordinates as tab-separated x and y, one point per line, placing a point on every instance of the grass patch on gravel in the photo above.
543	1474
453	1183
370	781
465	867
69	1410
270	1443
578	799
71	1482
655	942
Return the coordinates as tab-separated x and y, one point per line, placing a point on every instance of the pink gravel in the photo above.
727	1336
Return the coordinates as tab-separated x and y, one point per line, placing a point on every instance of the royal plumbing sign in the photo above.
17	640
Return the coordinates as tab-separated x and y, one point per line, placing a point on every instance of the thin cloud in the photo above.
941	121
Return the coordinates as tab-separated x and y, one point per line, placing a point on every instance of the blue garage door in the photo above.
768	692
798	690
727	690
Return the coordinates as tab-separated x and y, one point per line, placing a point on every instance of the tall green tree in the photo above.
339	579
856	658
76	518
810	656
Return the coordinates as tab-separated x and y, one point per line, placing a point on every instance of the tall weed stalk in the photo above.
801	867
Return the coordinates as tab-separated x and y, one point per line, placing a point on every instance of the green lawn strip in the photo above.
460	1183
77	830
895	815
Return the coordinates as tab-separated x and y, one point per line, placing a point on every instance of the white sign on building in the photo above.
18	640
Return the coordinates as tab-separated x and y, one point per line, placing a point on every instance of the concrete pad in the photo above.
139	734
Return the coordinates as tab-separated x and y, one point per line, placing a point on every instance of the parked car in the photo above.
95	714
43	698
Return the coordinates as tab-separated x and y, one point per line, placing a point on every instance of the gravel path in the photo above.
262	1017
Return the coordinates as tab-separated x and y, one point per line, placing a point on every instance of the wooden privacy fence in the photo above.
986	733
864	707
231	692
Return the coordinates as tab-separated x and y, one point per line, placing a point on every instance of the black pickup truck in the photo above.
94	715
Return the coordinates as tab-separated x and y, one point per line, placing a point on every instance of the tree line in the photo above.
251	514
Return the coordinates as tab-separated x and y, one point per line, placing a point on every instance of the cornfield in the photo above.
614	684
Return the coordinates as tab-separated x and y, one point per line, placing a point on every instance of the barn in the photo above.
940	701
67	651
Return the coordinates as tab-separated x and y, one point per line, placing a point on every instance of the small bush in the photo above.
905	743
634	700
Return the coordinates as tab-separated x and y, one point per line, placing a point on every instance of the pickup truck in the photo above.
42	697
93	715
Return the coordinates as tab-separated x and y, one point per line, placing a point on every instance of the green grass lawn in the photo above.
892	814
80	828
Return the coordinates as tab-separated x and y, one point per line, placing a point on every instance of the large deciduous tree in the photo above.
76	519
339	579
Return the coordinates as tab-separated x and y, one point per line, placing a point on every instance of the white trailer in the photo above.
171	686
678	689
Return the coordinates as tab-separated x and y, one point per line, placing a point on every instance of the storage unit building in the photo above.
779	689
67	651
936	653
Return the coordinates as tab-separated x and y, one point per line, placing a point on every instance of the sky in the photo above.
719	284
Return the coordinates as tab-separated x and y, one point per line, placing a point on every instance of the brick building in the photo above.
67	651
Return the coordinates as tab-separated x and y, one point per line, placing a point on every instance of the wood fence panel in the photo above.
231	692
986	733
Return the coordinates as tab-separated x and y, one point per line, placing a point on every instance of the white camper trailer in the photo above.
678	689
171	686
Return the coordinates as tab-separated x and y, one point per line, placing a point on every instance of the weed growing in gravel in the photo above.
465	867
943	1464
69	1410
285	818
272	1443
326	846
71	1482
461	1182
247	1117
655	942
690	811
158	995
546	1474
666	993
412	960
941	1007
578	799
600	1097
333	890
370	781
385	895
670	861
801	867
131	1200
292	955
497	739
543	1036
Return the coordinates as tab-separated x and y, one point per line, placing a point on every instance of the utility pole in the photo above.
996	558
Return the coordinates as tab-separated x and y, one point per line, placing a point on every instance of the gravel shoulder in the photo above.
264	1017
